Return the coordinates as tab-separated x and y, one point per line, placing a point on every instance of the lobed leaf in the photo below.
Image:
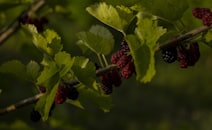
98	39
118	18
48	43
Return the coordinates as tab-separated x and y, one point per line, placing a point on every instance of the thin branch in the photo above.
20	104
35	98
183	37
15	25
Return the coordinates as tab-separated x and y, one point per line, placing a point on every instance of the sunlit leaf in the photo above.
48	43
118	18
64	62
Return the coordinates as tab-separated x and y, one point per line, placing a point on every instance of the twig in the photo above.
183	37
15	25
20	104
35	98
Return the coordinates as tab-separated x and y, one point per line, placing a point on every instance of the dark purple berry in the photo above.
115	77
35	116
107	89
116	56
169	55
183	58
61	95
200	12
73	93
42	89
128	70
107	85
194	53
207	19
124	46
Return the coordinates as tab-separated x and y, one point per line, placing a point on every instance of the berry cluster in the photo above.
65	92
185	56
123	60
38	22
204	14
109	79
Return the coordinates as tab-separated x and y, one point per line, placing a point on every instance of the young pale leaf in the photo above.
32	70
84	70
141	55
149	33
50	100
168	9
64	62
47	73
48	43
98	39
15	68
45	102
208	38
117	19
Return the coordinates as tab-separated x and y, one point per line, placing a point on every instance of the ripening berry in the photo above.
207	19
73	94
123	61
124	46
115	77
200	12
35	116
169	55
194	53
116	56
61	95
183	58
128	70
107	85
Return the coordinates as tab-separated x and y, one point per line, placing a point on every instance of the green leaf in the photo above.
47	73
84	70
141	55
148	33
76	103
104	102
168	9
208	38
45	102
64	62
48	43
32	69
118	18
15	68
99	39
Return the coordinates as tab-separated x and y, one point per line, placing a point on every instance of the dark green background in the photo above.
176	99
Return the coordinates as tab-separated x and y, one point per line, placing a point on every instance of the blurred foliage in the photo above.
176	99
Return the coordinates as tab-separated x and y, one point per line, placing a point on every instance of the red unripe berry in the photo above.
207	19
117	55
128	70
200	12
61	95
